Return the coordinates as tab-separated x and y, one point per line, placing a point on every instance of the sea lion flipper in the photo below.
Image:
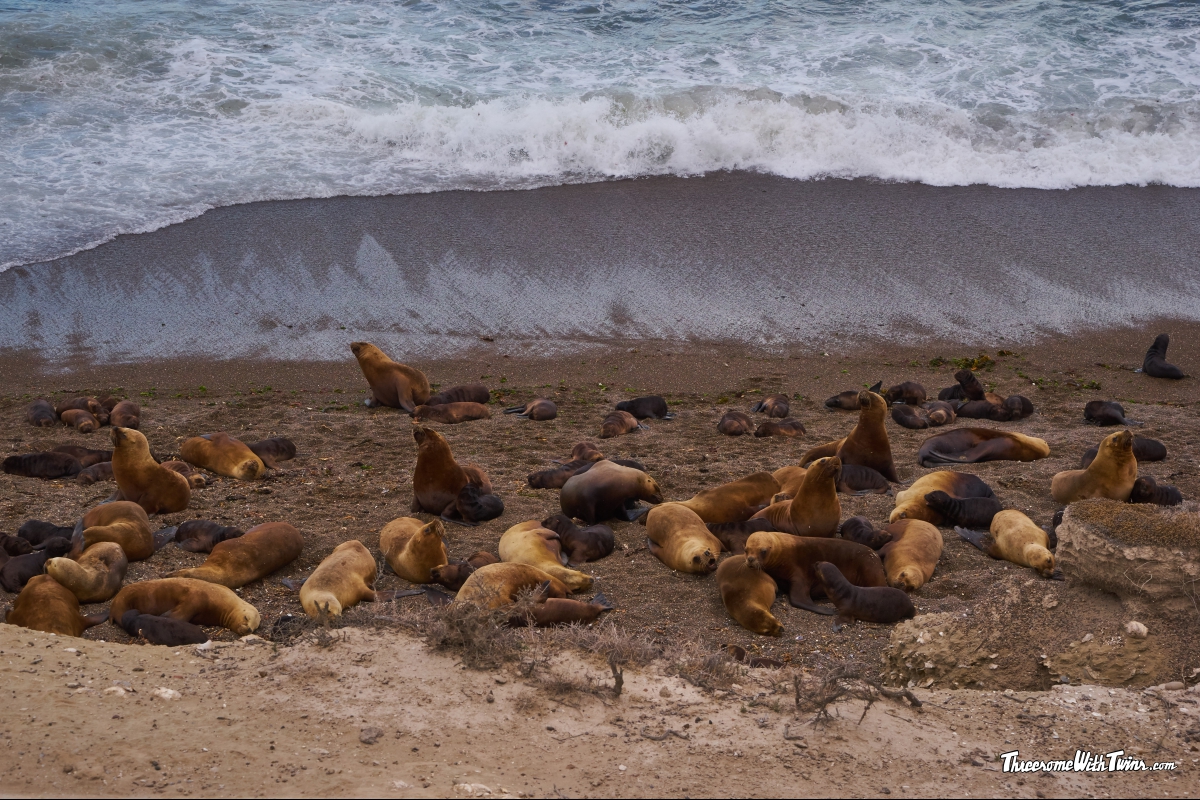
514	410
980	539
878	385
652	546
632	513
164	537
437	597
601	600
95	619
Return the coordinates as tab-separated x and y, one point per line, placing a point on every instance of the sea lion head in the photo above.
648	490
1040	559
871	403
1118	445
242	619
829	467
758	549
909	579
129	441
365	351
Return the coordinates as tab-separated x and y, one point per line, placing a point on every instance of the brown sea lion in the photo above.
413	548
748	595
187	599
912	555
392	384
972	389
1147	490
976	445
46	466
161	630
126	414
224	455
790	479
95	576
87	457
538	410
785	427
733	535
1110	475
792	562
777	405
530	543
454	574
498	585
274	450
1155	364
18	570
909	393
45	605
41	414
735	423
144	481
88	404
437	477
651	406
867	444
911	417
815	510
970	512
19	546
678	538
1107	413
734	501
1143	450
848	400
344	579
1013	537
466	393
474	505
608	491
1019	406
912	503
201	535
36	531
121	522
255	554
452	413
82	421
984	409
193	476
544	613
862	531
939	413
882	604
618	423
855	479
583	455
581	545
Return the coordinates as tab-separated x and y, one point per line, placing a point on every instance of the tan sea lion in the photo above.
95	576
413	548
792	561
735	423
88	404
867	444
452	413
41	414
608	491
392	384
224	455
255	554
1111	474
618	423
497	585
529	543
788	427
913	502
538	410
912	554
82	421
199	602
466	393
343	580
46	605
815	510
678	538
144	481
126	414
735	501
120	522
748	595
790	479
1014	537
976	445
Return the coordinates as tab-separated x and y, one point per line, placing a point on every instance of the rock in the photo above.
369	734
1129	662
1136	629
399	785
937	648
115	691
163	693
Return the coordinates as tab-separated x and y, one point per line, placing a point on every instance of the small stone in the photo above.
1136	629
1174	686
885	790
975	762
621	767
1088	637
399	785
163	693
251	639
664	692
1049	601
72	685
491	698
500	679
369	734
115	691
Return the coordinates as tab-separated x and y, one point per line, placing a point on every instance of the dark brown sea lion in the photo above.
848	400
161	630
1106	412
972	388
976	445
143	480
619	423
46	466
984	409
910	393
580	545
452	413
855	479
95	576
969	512
272	451
35	531
255	554
912	555
735	423
437	477
1143	450
777	405
18	570
1155	364
466	393
45	605
678	538
343	579
475	505
912	503
939	413
17	546
1110	475
392	384
194	477
82	421
860	530
41	414
792	562
747	595
538	410
911	417
201	535
867	444
88	404
126	414
557	477
224	455
785	427
1013	537
882	604
1147	490
734	501
560	611
608	491
187	599
87	457
651	406
454	574
954	392
733	535
1019	406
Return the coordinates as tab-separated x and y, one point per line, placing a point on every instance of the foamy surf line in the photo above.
766	262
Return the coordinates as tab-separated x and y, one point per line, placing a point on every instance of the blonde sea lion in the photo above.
1111	474
748	595
530	543
735	501
255	554
1014	537
122	523
142	480
912	554
452	413
392	384
608	490
931	498
677	537
82	421
618	423
194	477
343	580
792	561
95	576
224	455
413	548
497	585
867	444
196	601
46	605
815	510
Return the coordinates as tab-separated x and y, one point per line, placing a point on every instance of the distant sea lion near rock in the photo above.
1111	474
861	531
734	501
161	630
41	414
747	595
1147	490
255	554
855	479
1143	450
201	535
36	531
474	505
189	600
1155	364
46	466
608	491
1106	413
530	543
82	421
126	414
454	574
976	445
909	393
121	522
497	585
867	443
733	535
224	455
47	606
848	400
619	423
735	423
466	393
345	578
580	545
912	555
679	539
392	384
1013	537
452	413
18	570
792	562
95	576
970	512
785	427
87	457
538	410
560	611
777	405
651	406
884	605
815	510
274	450
144	481
413	549
912	503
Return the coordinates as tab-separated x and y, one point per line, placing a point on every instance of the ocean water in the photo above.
119	116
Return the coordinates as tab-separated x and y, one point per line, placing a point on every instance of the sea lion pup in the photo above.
195	601
912	503
1013	537
792	562
747	595
1110	475
1155	364
125	414
909	393
255	554
1147	490
882	604
224	455
194	477
969	512
272	451
413	548
862	531
392	384
735	423
45	605
161	630
984	409
454	574
789	479
733	535
86	456
201	535
651	406
121	522
475	505
608	491
466	393
976	445
538	410
82	403
1143	450
18	570
580	545
95	473
342	580
36	531
815	510
437	477
972	389
1019	406
734	501
855	479
82	421
452	413
618	423
1105	413
777	405
530	543
95	576
678	538
41	414
911	417
938	413
583	455
785	427
15	546
911	556
143	480
543	613
46	466
848	400
867	443
496	585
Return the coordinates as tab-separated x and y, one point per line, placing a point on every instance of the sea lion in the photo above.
882	604
583	455
1013	537
18	570
413	548
1147	490
161	630
454	574
392	384
651	406
46	466
678	538
733	535
912	554
86	456
41	414
950	393
16	546
862	531
475	505
1019	406
777	405
121	522
972	389
255	554
792	562
815	510
272	451
344	579
790	479
855	479
82	421
976	445
867	444
538	410
201	535
224	455
544	613
1106	413
144	481
608	490
1155	364
530	543
618	423
734	501
911	417
785	427
735	423
466	393
581	545
912	503
82	403
36	531
497	585
939	413
95	576
194	477
126	414
970	512
452	413
187	599
1143	450
748	595
45	605
1110	475
909	393
437	477
984	409
848	400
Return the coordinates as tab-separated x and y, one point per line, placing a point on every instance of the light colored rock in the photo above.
1136	629
163	693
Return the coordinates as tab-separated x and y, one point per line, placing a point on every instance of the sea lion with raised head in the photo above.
413	549
1107	413
1147	490
201	535
784	427
187	599
1143	450
1155	364
41	414
734	501
46	466
466	393
912	555
437	477
452	413
161	630
82	421
735	423
255	554
792	562
126	414
224	455
345	578
815	510
776	405
392	384
454	574
46	605
862	531
608	491
909	393
142	480
538	410
272	451
747	595
581	545
120	522
1013	537
1110	475
913	503
679	539
649	407
497	585
880	604
95	576
18	570
530	543
976	445
867	443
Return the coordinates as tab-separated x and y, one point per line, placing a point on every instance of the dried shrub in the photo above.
476	635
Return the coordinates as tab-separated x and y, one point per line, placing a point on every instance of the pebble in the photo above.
163	693
1136	629
369	734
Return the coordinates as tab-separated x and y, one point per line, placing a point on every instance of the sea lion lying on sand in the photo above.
777	406
976	445
466	393
651	406
538	410
735	423
1106	412
608	491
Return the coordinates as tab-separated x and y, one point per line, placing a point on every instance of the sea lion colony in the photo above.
784	528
